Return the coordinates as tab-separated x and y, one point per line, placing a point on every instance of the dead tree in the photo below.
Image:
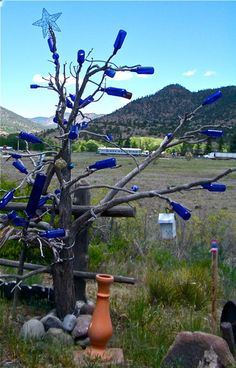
32	229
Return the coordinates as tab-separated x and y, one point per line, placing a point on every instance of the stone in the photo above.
57	335
81	328
78	305
51	321
87	308
69	322
32	329
193	349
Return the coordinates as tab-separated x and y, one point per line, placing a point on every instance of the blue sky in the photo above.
190	43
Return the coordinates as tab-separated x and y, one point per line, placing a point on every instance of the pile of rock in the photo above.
73	328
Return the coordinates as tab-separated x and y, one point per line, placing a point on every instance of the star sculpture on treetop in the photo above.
48	20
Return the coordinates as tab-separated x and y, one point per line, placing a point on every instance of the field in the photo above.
172	293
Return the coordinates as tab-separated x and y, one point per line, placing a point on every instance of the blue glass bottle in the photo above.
29	137
72	97
212	98
42	201
15	155
110	73
143	70
55	233
16	220
6	198
34	86
69	104
213	133
214	187
119	40
135	188
35	194
20	166
119	92
103	164
80	57
74	132
86	101
181	210
55	56
51	45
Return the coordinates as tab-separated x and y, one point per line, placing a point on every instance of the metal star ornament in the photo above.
48	20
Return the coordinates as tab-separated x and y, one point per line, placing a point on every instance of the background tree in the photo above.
62	240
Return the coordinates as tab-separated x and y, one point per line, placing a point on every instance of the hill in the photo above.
48	121
157	114
14	123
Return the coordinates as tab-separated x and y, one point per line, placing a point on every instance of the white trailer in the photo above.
221	155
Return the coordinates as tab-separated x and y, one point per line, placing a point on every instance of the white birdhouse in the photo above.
167	225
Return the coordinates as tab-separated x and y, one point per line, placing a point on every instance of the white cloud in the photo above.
209	73
189	73
123	76
37	78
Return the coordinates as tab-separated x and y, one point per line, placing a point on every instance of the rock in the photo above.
194	349
69	322
59	336
10	364
81	327
51	321
78	305
87	308
32	329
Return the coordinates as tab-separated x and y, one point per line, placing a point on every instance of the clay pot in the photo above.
100	329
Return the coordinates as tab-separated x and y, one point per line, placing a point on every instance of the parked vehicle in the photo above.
122	151
221	155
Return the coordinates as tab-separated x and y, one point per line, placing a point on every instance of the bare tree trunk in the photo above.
81	197
62	271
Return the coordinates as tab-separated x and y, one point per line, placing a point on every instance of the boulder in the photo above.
81	327
87	308
32	329
198	350
69	322
51	321
57	335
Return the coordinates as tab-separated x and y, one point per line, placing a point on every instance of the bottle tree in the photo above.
31	229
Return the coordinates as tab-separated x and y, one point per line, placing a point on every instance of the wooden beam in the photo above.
117	211
77	274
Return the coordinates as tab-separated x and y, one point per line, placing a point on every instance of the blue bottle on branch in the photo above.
6	198
119	92
212	98
35	194
103	164
34	86
181	210
69	104
86	101
80	57
110	73
55	233
15	219
15	155
42	201
213	133
29	137
119	40
216	187
51	45
74	132
18	164
143	70
135	188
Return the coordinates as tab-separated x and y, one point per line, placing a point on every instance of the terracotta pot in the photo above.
100	329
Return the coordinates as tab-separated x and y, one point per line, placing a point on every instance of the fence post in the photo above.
81	197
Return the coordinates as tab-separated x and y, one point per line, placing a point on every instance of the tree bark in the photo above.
62	271
81	197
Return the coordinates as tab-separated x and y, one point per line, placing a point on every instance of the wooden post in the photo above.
20	272
81	197
214	279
